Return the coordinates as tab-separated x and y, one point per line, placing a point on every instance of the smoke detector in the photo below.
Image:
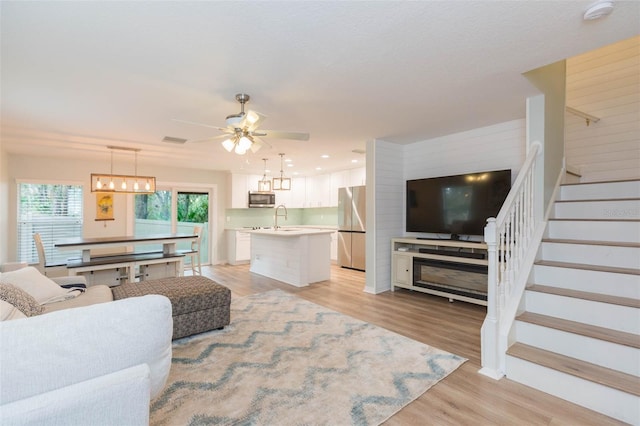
598	10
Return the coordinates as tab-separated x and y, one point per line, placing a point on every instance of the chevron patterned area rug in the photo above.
286	361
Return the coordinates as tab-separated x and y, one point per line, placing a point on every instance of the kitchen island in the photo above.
296	256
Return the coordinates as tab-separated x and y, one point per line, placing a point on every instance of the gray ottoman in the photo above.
199	304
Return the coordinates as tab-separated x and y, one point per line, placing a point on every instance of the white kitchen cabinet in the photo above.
357	177
238	247
318	189
239	187
334	247
295	197
338	180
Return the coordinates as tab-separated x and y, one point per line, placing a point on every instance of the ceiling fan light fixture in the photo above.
235	120
239	150
228	144
252	117
245	143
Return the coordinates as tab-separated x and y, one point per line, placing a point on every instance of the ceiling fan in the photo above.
242	134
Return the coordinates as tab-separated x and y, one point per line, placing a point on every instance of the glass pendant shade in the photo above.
228	144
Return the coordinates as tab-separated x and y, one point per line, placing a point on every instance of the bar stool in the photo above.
195	264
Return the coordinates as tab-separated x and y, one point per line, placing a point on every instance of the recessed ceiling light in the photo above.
354	161
288	160
599	9
296	173
324	156
290	165
318	168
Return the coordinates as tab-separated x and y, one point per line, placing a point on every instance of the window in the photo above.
52	210
157	214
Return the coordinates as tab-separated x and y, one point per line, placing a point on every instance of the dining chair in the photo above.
195	264
42	260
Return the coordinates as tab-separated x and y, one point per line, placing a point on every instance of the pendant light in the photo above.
264	185
123	183
282	183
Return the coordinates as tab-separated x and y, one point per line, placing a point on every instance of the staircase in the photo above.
579	335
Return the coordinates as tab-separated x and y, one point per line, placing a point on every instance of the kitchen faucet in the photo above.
276	216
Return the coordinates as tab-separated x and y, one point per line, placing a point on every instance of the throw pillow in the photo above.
22	300
43	289
9	312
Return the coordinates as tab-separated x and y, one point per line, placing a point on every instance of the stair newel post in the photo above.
489	334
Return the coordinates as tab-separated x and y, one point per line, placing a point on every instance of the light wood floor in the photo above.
462	398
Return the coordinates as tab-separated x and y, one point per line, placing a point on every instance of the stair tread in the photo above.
577	219
578	294
599	182
595	332
591	242
600	268
582	200
585	370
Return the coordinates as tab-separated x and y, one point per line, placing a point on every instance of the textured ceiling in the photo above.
78	76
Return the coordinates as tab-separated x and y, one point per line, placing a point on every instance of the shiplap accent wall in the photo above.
388	211
496	147
605	83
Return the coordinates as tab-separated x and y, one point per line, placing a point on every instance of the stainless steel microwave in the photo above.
262	199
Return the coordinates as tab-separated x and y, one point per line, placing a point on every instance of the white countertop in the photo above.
289	231
296	227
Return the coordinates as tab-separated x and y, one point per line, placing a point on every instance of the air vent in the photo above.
171	139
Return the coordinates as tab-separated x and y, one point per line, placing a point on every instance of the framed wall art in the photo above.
104	206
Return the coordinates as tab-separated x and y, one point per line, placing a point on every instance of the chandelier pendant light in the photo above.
282	183
264	185
123	183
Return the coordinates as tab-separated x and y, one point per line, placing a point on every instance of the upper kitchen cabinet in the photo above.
318	191
294	198
312	191
357	177
239	187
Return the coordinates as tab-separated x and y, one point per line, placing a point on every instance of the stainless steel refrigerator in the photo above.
352	219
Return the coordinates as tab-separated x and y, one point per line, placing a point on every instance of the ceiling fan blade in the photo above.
253	119
209	139
258	143
282	135
224	129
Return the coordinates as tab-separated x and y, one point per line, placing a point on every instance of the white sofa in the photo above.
99	364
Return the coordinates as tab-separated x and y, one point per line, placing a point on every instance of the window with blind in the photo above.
54	212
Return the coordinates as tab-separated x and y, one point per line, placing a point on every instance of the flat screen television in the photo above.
457	204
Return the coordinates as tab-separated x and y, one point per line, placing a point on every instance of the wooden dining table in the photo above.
168	242
113	269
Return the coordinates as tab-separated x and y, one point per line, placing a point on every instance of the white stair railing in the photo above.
509	238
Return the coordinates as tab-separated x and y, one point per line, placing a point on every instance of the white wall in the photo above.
550	80
385	209
605	83
31	168
4	206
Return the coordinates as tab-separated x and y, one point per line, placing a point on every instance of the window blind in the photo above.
53	211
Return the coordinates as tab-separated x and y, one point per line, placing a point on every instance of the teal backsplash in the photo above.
240	218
